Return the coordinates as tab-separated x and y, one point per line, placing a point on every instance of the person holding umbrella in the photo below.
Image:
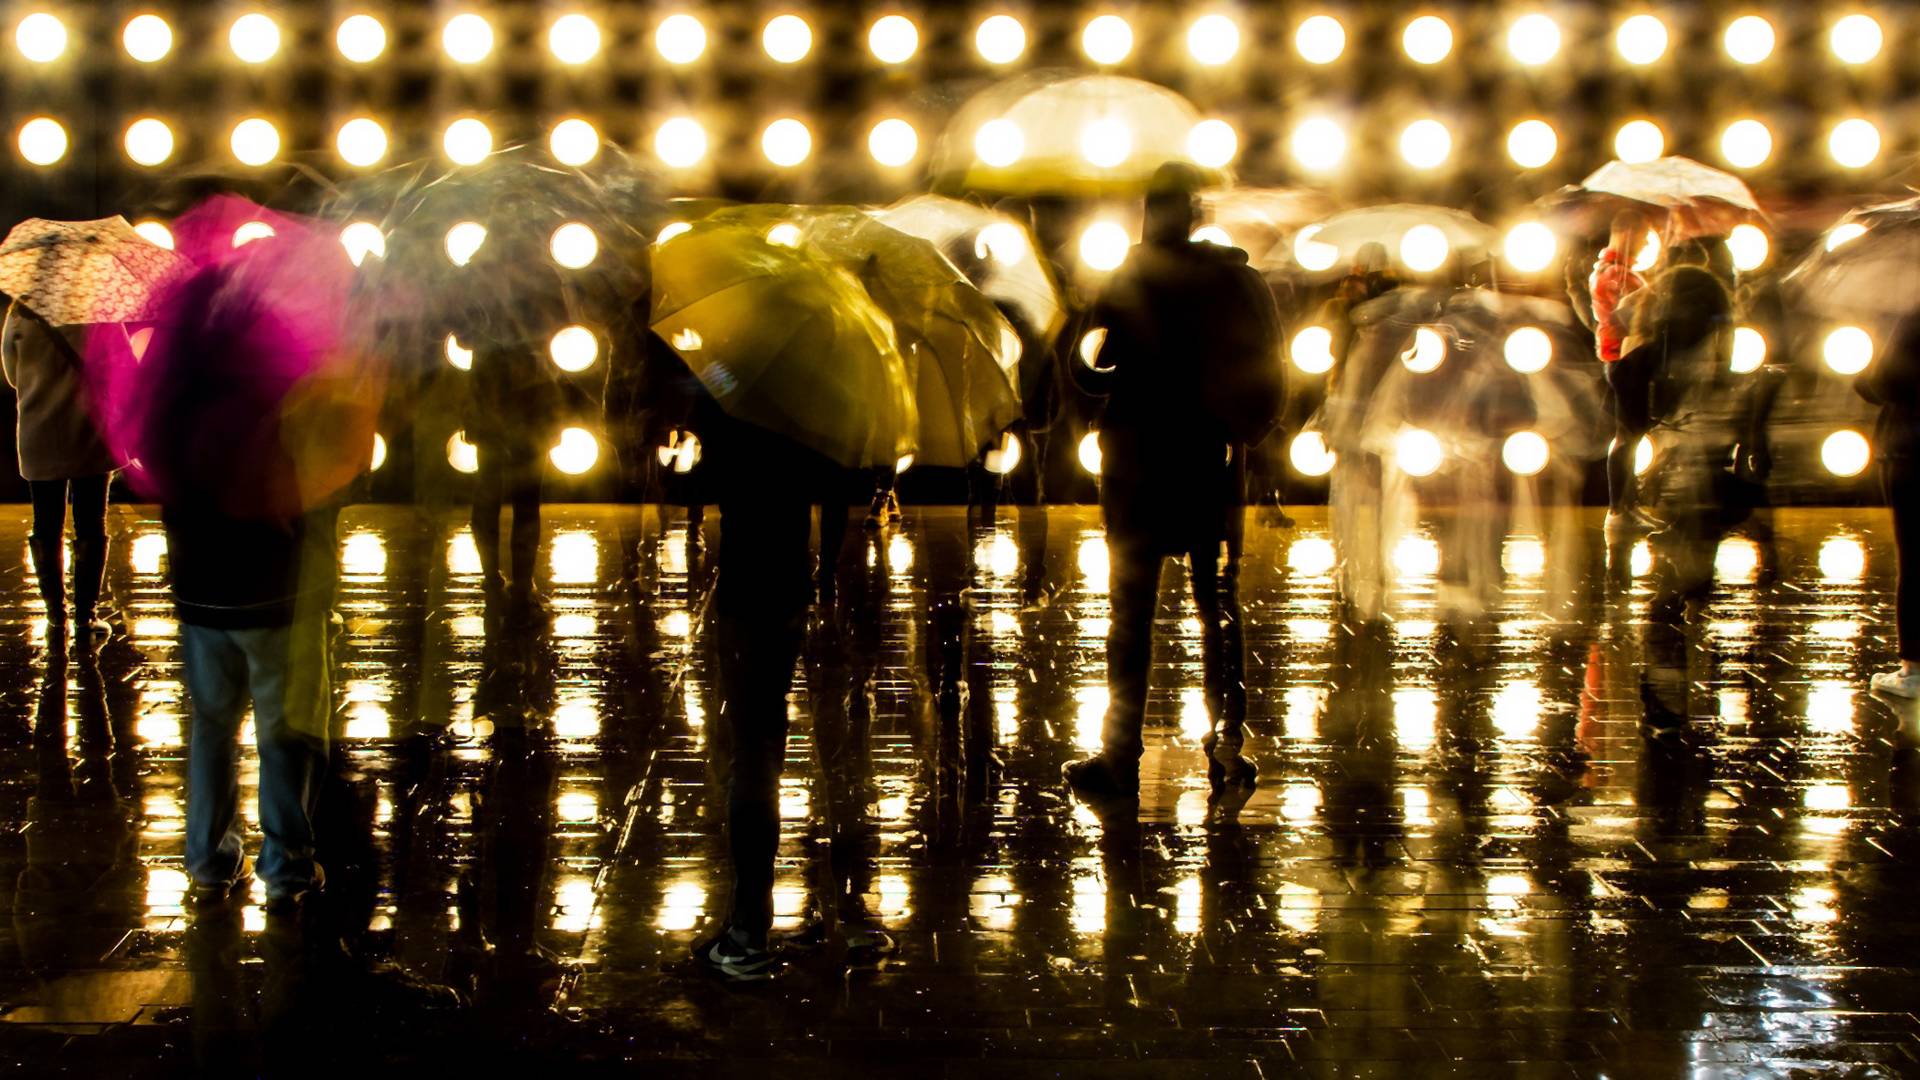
1629	381
1893	383
1190	365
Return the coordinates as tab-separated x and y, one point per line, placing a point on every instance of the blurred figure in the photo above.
1611	282
1893	383
1190	365
509	420
63	459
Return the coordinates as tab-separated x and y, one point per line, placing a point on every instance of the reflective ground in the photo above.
1465	856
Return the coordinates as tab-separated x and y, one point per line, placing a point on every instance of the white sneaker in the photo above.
1897	684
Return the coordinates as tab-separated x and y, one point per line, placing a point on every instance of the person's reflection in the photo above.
1359	810
840	687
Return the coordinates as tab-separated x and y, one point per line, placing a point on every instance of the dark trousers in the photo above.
1899	477
509	475
1134	589
1630	384
50	497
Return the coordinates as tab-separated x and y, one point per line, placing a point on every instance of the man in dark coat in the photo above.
1893	383
1191	368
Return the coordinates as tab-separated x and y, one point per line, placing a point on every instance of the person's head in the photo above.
1629	233
1692	251
1171	215
1370	259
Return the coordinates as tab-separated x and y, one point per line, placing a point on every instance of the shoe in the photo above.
203	894
1897	683
728	956
1635	520
1098	779
291	900
867	948
1227	767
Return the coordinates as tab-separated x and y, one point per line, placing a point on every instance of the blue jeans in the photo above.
283	670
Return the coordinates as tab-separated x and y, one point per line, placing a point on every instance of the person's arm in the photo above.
10	341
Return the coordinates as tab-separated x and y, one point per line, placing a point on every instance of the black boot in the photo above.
89	575
49	566
1100	779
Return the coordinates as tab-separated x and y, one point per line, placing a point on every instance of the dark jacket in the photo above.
1682	327
234	574
1893	383
1191	366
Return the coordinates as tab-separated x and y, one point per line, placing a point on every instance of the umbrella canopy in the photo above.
74	273
1392	224
1866	266
995	250
1049	133
1259	221
246	397
1688	198
784	339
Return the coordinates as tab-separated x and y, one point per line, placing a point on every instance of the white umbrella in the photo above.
1866	266
1694	199
995	250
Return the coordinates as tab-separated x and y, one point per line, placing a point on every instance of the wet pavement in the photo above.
1467	854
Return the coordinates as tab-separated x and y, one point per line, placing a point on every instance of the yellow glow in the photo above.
1643	454
255	141
379	457
1213	40
467	38
1311	253
463	242
1524	453
1417	452
1107	39
1530	247
1104	245
1749	247
156	233
1089	452
1641	40
147	38
1749	350
1846	453
249	231
786	142
893	142
576	452
363	554
574	39
361	39
1746	144
1000	39
467	141
1312	556
1426	144
1639	141
786	234
1424	248
1842	559
461	454
1005	456
1856	39
1427	351
1845	233
1534	39
1847	350
254	38
680	142
573	348
680	39
574	557
361	142
1312	350
1532	143
574	142
361	239
1524	556
893	39
1528	350
1516	710
1854	143
671	230
1427	39
1090	344
1212	234
574	245
787	39
1737	561
1003	242
1107	142
1416	717
1318	144
1416	557
1320	39
149	141
458	355
1310	455
1213	143
1749	39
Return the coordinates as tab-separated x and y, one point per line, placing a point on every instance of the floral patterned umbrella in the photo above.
73	273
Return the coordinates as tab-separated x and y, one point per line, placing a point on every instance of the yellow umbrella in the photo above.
73	273
783	339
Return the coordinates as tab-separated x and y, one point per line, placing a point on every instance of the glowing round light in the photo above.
1310	455
1530	247
1213	40
467	141
573	348
1845	233
1749	39
574	245
1000	39
459	355
1005	457
1212	234
1426	144
1090	344
42	38
1427	353
1427	39
1643	453
574	142
1003	242
155	233
1746	144
999	143
1089	452
147	38
1649	253
1856	39
574	39
255	141
1854	143
786	142
1312	350
1312	253
463	242
1641	40
787	39
786	234
1749	350
671	230
893	39
1639	141
1748	245
361	239
467	38
42	141
1417	452
1106	143
249	231
361	141
681	142
1532	143
1213	143
379	452
1320	39
1104	244
1847	350
1424	248
461	453
1534	39
361	39
1846	453
680	39
1107	39
1528	350
1318	144
1525	453
149	141
893	142
254	38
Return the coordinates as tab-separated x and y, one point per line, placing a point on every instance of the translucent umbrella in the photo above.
1865	265
74	273
1688	198
1422	238
1259	221
995	250
1054	133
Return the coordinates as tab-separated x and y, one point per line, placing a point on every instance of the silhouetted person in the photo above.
510	422
1611	282
1893	383
1191	368
62	459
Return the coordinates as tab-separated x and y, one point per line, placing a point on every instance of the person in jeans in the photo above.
62	459
1893	383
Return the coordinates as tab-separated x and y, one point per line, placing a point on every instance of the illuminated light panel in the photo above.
576	453
1641	40
1426	144
1856	39
1213	40
42	141
680	39
1530	247
254	38
574	39
1213	143
464	240
1426	353
1524	453
467	141
467	38
573	348
574	245
1746	144
893	142
361	39
1532	144
1528	350
1318	144
1417	452
1749	39
1320	39
1106	143
1847	350
1749	247
1427	40
1312	350
1854	143
1846	453
1639	141
574	142
1310	455
1424	248
361	142
1749	350
361	239
149	141
255	141
786	142
1104	245
893	39
680	142
1533	39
